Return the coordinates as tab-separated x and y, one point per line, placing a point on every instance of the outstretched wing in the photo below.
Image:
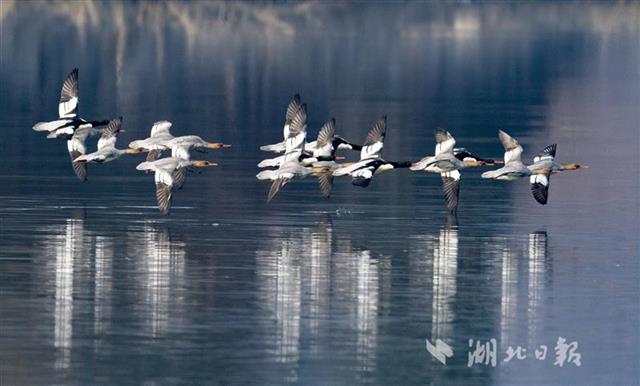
548	153
325	135
540	187
179	176
297	131
110	133
80	168
163	195
68	105
325	181
451	189
292	109
512	149
276	185
444	142
375	139
161	127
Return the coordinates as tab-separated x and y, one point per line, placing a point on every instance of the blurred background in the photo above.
97	286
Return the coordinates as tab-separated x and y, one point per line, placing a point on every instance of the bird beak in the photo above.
204	163
217	145
338	158
135	151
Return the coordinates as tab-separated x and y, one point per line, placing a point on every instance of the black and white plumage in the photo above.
540	187
371	162
294	105
77	147
324	142
326	145
374	142
542	167
68	105
448	161
68	120
290	166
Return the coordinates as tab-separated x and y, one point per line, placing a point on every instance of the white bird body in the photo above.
107	151
169	173
160	135
513	168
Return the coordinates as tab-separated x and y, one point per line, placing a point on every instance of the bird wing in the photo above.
80	168
451	189
163	195
292	110
297	131
512	149
444	142
548	153
161	127
110	133
375	139
68	105
276	185
179	176
294	105
325	181
540	187
325	135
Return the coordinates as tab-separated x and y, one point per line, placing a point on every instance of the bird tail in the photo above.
270	162
266	175
49	126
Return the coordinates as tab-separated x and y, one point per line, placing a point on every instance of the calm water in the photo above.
97	287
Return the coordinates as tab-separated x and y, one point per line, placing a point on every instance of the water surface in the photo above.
97	287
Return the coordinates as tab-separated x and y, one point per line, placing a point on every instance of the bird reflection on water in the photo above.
306	270
159	264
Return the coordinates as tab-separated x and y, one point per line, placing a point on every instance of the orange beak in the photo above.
217	145
338	158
